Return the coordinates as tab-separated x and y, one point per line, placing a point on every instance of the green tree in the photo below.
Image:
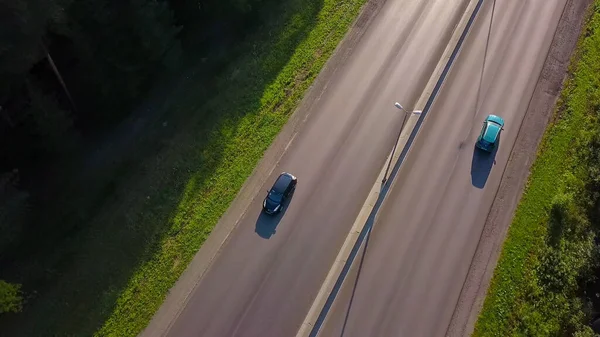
50	126
11	299
23	25
119	46
210	23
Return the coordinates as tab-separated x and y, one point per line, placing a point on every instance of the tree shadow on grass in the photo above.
83	275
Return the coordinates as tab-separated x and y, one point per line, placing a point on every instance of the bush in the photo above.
10	297
585	331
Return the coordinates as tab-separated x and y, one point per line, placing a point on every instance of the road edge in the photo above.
179	294
515	176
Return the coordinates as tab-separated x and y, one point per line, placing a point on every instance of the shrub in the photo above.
10	297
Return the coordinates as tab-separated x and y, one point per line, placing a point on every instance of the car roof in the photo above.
282	182
491	132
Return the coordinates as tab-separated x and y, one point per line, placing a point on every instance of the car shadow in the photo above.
266	225
481	165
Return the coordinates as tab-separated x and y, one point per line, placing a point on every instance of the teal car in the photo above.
490	133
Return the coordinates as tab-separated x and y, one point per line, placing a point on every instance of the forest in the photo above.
70	71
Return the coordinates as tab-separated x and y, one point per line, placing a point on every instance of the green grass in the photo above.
109	276
536	288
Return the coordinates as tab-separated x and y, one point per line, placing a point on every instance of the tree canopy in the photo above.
70	70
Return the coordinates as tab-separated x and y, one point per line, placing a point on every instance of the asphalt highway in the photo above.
269	271
427	231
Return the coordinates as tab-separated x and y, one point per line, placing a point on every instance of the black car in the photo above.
284	186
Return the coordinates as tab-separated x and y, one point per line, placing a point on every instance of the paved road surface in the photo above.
425	237
263	282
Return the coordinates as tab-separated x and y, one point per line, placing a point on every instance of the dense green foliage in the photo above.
545	281
69	72
70	67
10	297
173	104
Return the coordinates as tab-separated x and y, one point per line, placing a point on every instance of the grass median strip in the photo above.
160	213
550	255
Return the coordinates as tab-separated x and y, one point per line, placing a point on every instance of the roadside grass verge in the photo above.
109	276
550	253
